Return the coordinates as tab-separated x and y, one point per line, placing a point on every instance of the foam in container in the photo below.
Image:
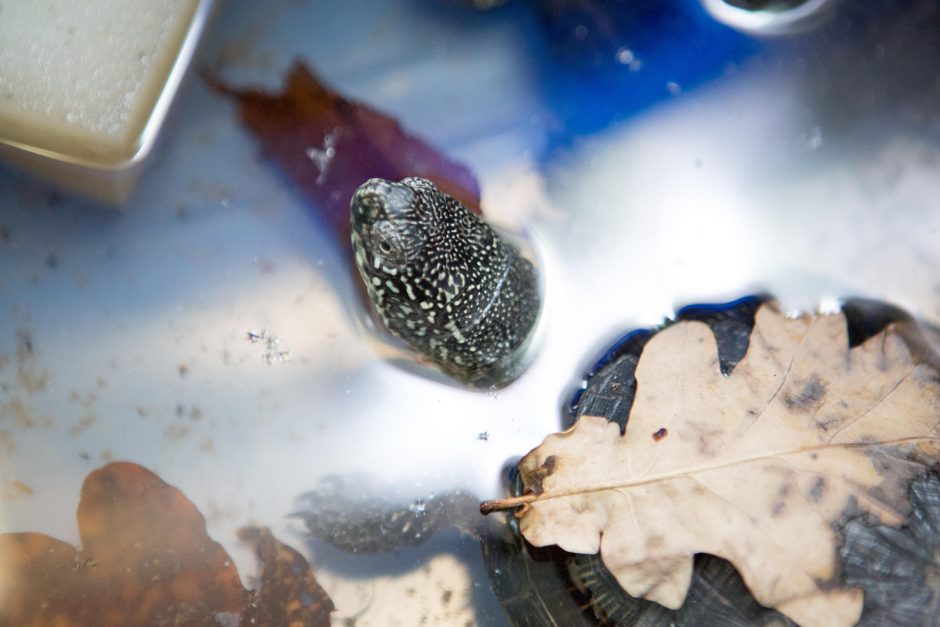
84	86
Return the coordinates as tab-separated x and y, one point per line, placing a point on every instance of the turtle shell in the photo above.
896	567
548	586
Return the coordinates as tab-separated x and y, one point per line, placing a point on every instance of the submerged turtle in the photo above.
444	281
894	565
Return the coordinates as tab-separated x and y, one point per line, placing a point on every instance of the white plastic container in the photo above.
85	86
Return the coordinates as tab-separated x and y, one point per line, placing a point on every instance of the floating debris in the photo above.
271	343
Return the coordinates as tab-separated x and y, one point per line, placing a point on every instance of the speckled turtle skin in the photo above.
443	280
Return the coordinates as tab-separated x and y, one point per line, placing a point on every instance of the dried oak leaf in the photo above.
757	467
329	145
146	560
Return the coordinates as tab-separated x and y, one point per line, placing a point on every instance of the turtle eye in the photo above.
387	244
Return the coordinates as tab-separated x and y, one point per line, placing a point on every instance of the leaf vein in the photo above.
783	378
875	406
624	485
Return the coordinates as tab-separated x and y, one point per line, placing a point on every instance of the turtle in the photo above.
463	295
447	284
895	566
548	586
444	281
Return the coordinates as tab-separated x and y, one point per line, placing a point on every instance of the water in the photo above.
757	174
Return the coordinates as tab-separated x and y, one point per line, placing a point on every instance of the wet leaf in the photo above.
146	559
329	145
149	543
758	466
40	582
288	594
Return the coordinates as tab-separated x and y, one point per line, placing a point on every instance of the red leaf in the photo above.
329	145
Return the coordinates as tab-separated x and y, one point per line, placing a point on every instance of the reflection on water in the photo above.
363	515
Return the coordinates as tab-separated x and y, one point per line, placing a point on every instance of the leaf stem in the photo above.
488	507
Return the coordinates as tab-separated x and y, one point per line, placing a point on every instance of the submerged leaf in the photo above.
755	467
151	551
288	594
329	145
146	559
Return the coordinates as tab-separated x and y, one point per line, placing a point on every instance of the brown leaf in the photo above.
329	145
288	594
147	559
40	583
152	551
757	466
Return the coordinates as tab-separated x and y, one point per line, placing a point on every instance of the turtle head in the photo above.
387	226
392	231
429	263
440	278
